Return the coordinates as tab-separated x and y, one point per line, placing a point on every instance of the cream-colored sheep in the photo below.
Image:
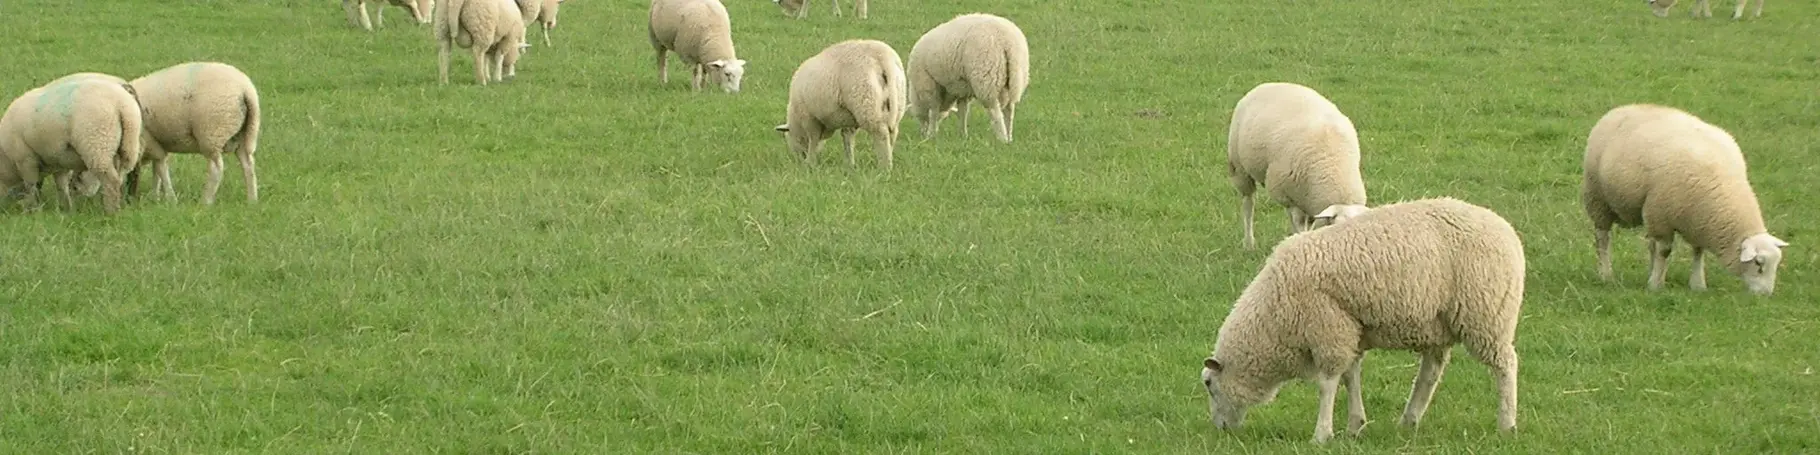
702	36
1702	8
199	107
971	56
1299	146
1675	174
493	29
800	8
1421	276
541	13
357	11
85	121
1336	214
850	86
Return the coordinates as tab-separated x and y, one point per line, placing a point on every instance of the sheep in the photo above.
800	8
850	86
1674	174
493	29
199	107
1419	275
541	12
1299	146
85	121
1703	9
971	56
420	11
702	36
1336	214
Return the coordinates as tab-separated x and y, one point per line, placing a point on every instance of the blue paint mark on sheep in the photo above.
59	99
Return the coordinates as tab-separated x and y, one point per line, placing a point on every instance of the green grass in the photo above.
584	261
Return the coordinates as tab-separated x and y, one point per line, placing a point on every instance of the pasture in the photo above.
581	260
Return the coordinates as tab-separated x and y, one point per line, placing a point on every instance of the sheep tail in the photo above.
132	128
249	129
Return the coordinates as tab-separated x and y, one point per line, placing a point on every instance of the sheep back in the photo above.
698	31
1671	172
971	56
853	84
79	122
1298	145
198	107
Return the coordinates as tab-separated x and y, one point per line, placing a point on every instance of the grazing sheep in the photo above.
493	29
1673	173
702	36
1337	214
1299	146
1421	276
420	11
199	107
1702	9
971	56
800	8
540	12
85	121
850	86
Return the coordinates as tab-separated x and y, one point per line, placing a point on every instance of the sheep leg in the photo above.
1422	392
1245	211
163	185
442	59
1502	358
882	141
846	143
379	16
836	5
1355	399
1696	279
546	35
997	114
859	8
1658	261
696	72
1323	422
1759	12
63	182
30	180
497	59
962	111
1602	243
663	65
248	174
480	64
1010	120
214	179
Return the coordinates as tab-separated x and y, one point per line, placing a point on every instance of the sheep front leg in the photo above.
1355	398
963	109
696	72
442	59
1323	422
663	65
168	191
63	182
846	143
1696	278
1245	212
1658	261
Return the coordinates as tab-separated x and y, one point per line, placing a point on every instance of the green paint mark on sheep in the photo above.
60	98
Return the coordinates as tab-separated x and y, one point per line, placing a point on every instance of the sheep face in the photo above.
1227	409
1758	258
1660	7
792	8
728	73
1336	214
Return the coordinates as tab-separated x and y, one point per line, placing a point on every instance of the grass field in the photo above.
584	261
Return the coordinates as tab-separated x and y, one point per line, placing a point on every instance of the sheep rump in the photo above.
850	86
199	107
1299	146
971	56
493	29
82	122
1420	276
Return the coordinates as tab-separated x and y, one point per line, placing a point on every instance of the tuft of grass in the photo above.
582	260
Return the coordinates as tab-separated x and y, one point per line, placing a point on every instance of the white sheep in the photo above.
800	8
357	11
850	86
1299	146
971	56
1675	174
541	13
702	36
81	122
1702	8
1336	214
199	107
493	29
1420	275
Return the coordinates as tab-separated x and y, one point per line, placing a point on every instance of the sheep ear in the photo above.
1747	253
717	64
1211	364
1779	242
784	127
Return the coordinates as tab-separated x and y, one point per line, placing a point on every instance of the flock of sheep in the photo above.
1419	275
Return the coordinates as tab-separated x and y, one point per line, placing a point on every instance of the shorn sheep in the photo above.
357	11
1675	174
1299	146
493	29
1421	276
850	86
973	56
1702	8
702	36
199	107
82	122
800	8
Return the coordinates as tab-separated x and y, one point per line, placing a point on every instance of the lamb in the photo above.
542	12
971	56
1420	275
702	36
1673	173
1299	146
800	8
199	107
82	122
420	11
493	29
1701	7
850	86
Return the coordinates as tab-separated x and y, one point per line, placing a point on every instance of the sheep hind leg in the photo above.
999	129
214	178
481	66
1323	422
249	176
1602	244
663	65
1422	391
846	143
442	59
63	181
963	106
1010	120
1502	358
1696	278
1659	250
882	142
